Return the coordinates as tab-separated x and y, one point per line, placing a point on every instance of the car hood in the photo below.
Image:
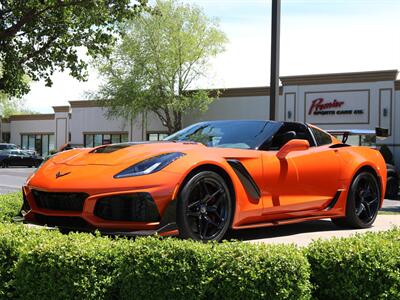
121	153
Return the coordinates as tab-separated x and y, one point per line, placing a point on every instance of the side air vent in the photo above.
246	179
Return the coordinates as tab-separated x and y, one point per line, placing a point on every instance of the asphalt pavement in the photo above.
12	179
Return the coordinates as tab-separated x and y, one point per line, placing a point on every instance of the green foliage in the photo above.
247	271
45	264
160	57
39	37
10	206
77	266
362	267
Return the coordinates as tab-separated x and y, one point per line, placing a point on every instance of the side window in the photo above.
289	131
321	137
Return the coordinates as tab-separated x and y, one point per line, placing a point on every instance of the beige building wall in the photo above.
25	125
88	118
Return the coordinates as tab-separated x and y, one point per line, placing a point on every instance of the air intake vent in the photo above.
60	201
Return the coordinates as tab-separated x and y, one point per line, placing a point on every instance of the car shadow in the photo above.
282	230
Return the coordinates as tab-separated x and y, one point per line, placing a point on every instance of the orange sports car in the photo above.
208	178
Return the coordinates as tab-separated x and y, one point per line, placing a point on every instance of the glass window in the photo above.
31	142
89	140
322	138
98	140
124	138
94	140
156	136
106	139
52	142
6	137
24	142
153	137
115	139
45	145
40	143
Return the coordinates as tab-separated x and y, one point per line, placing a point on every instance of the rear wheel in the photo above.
204	209
362	202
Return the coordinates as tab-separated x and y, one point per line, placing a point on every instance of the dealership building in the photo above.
362	100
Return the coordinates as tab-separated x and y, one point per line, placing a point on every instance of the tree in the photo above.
159	58
12	106
38	37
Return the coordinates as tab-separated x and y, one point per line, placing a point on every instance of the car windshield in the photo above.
228	134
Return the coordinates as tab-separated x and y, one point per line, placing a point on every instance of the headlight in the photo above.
150	165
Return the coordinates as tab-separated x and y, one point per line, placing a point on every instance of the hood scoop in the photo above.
112	155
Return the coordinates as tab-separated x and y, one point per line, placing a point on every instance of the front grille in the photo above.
60	201
62	222
137	207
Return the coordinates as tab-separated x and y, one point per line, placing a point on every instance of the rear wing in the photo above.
378	132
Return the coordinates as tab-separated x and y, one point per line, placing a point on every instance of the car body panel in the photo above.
308	184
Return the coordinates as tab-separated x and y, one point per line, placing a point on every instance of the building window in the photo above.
98	139
156	136
41	143
6	137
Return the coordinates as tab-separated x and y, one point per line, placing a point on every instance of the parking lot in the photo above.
12	179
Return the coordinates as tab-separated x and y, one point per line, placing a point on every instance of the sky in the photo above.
317	36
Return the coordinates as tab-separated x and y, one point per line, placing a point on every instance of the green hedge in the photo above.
362	267
44	264
10	206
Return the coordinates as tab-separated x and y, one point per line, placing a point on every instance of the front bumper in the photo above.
98	212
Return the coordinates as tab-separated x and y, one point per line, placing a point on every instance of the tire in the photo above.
392	188
204	208
362	202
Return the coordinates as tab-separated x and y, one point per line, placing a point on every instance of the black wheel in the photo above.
362	202
204	209
392	188
4	165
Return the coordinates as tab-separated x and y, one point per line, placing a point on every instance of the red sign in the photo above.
319	105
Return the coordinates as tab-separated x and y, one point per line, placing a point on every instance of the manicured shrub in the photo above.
13	240
10	206
247	271
74	266
45	264
362	267
173	269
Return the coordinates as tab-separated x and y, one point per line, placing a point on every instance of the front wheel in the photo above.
362	202
204	209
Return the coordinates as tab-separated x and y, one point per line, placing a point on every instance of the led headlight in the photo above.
150	165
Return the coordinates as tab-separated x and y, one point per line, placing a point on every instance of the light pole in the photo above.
275	43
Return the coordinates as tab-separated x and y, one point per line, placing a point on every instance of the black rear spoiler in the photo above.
379	132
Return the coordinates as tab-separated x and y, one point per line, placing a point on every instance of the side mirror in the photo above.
292	145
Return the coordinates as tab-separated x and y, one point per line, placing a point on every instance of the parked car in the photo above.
20	158
209	178
4	146
363	137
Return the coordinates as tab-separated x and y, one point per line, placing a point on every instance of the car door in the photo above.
304	180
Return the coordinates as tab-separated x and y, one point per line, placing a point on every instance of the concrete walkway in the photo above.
302	234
